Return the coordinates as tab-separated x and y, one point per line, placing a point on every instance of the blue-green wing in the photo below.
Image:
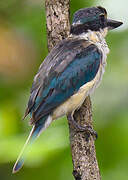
70	65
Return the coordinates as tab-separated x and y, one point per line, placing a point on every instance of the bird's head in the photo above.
94	19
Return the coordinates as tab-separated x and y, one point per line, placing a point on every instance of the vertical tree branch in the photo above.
85	166
57	18
82	146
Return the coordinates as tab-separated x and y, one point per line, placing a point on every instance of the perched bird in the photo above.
70	72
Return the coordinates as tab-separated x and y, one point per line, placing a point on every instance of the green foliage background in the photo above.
22	48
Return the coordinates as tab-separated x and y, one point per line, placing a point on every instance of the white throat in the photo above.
97	38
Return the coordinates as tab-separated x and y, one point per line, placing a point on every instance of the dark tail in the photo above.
35	132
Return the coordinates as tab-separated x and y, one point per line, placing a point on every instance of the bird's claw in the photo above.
87	129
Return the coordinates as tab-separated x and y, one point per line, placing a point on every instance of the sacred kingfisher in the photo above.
70	72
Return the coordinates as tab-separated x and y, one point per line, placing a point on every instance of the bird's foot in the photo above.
88	129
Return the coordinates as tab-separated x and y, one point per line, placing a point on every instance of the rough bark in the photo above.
82	146
57	17
85	166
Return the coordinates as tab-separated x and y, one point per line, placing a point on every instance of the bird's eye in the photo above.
102	17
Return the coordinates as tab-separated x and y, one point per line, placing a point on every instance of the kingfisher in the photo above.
71	71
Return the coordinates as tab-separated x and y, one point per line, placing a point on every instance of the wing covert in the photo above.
69	66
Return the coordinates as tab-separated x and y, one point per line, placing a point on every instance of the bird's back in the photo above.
70	65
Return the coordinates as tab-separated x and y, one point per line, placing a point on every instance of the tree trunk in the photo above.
85	166
82	146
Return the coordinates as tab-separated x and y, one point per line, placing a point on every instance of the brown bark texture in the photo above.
85	166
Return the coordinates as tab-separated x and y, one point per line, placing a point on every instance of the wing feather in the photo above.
71	64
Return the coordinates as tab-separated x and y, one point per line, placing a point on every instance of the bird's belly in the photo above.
76	100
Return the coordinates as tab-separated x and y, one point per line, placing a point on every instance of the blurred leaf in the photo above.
23	46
